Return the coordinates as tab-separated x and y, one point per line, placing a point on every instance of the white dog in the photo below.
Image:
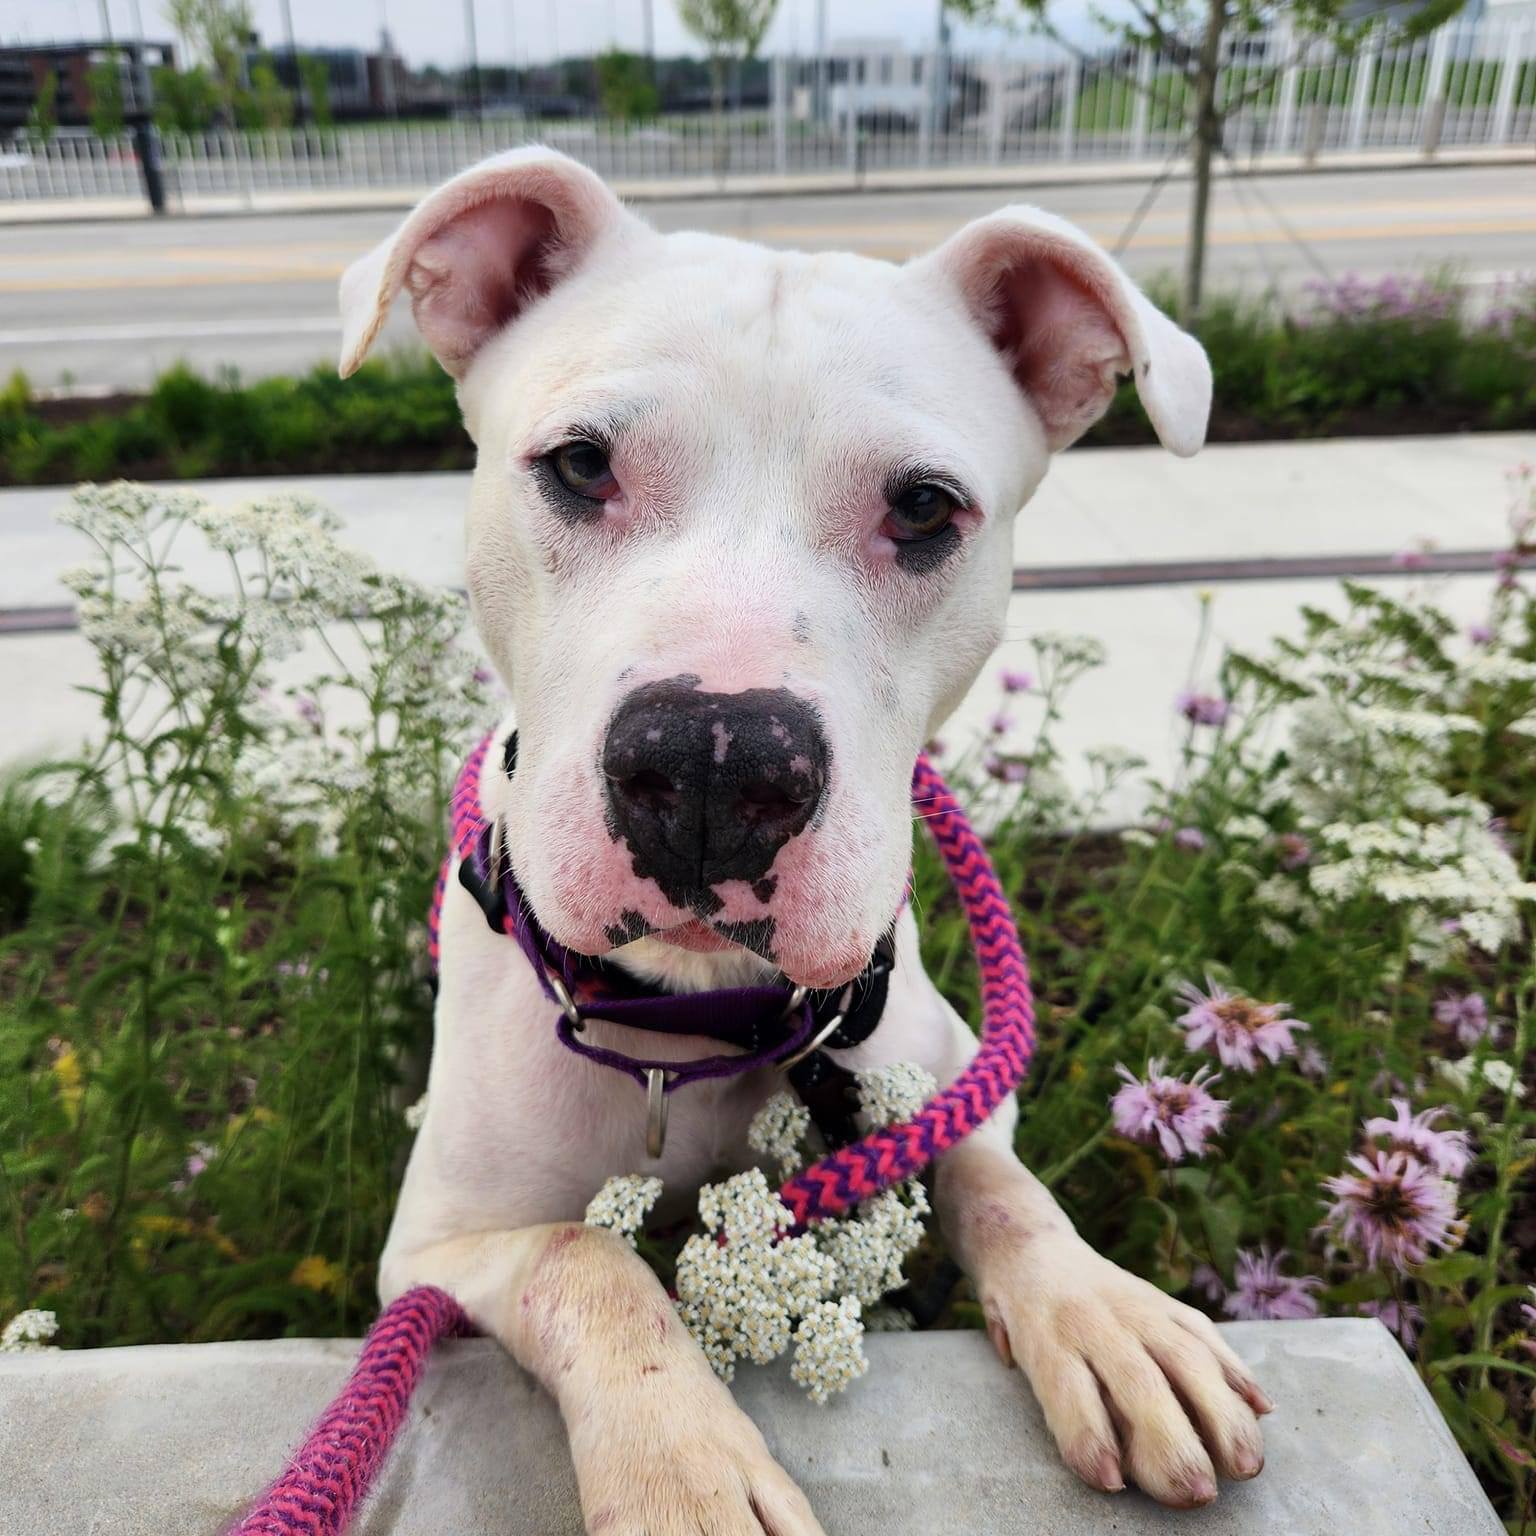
739	540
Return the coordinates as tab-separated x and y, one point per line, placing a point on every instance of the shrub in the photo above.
215	1000
1397	356
1392	356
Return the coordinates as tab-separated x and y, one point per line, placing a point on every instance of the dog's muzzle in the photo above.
707	787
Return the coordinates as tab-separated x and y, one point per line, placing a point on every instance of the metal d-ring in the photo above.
563	997
656	1106
822	1034
796	1000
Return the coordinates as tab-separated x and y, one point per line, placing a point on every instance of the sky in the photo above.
433	31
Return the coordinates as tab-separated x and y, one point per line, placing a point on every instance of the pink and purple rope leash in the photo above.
331	1472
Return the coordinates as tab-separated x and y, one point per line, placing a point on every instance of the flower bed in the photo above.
1346	359
1286	1052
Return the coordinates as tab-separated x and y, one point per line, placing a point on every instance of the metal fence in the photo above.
1470	83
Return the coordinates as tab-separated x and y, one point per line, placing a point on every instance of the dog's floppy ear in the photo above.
477	251
1067	320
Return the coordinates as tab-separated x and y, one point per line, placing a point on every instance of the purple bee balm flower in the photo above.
1203	708
1410	560
483	676
1190	839
1175	1114
1006	770
1402	1317
1000	723
1392	1208
1446	1152
1294	850
1014	681
1260	1293
1479	634
1238	1029
309	711
1466	1015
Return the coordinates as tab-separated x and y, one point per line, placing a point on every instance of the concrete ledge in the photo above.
938	1437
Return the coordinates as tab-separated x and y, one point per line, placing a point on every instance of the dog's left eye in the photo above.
582	468
921	511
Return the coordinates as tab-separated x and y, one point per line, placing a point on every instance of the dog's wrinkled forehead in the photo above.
733	359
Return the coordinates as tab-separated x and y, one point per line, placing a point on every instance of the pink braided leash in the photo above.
331	1473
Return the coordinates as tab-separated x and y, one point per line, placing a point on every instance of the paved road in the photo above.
109	305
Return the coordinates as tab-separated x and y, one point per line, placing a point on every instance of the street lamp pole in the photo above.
474	58
386	63
300	92
822	68
146	143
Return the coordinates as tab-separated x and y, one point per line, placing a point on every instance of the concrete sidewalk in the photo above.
956	178
1105	507
937	1437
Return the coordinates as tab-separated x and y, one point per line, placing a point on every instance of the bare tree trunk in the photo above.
1208	127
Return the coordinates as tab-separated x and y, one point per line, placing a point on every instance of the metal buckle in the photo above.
796	1000
827	1029
656	1108
563	997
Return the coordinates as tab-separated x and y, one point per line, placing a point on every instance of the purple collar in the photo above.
764	1026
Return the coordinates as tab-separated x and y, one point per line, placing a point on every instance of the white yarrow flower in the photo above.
829	1349
622	1204
894	1093
29	1332
777	1131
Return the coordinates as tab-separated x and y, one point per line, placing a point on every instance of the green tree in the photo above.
104	81
43	115
219	32
317	89
1190	40
267	104
731	30
186	101
624	86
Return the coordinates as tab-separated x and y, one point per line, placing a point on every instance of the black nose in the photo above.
706	787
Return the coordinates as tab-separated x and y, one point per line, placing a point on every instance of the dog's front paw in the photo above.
674	1456
1132	1382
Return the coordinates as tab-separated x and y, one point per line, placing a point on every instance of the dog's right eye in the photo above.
582	468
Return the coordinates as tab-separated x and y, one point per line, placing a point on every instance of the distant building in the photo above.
358	84
346	74
24	67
